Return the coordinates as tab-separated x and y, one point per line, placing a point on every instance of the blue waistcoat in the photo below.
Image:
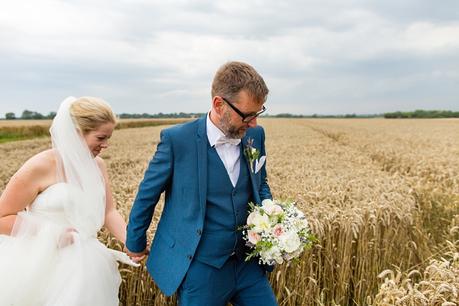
226	212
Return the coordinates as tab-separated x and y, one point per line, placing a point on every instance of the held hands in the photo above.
136	257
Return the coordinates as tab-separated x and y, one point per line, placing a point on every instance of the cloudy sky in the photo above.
324	56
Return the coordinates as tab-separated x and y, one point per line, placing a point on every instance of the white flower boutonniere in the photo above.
253	156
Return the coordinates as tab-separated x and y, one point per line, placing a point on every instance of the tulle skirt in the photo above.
37	267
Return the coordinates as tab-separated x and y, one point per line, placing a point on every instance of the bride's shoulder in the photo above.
38	170
45	160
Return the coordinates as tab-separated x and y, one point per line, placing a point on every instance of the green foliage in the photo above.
353	115
51	115
145	123
10	116
261	245
161	115
422	114
31	115
11	133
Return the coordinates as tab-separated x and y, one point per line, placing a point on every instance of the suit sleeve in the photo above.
156	179
265	191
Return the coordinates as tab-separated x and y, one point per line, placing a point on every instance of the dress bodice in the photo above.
61	204
51	199
50	203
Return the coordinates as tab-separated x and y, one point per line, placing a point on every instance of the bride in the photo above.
51	211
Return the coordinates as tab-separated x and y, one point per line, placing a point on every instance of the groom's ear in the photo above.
217	104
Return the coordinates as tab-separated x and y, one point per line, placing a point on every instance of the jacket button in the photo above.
199	232
190	257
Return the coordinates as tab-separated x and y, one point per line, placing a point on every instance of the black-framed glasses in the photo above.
246	118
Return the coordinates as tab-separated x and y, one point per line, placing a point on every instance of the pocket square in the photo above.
259	163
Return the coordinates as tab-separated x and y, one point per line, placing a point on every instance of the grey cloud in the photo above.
326	56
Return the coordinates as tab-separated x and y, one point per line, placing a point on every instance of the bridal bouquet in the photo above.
276	232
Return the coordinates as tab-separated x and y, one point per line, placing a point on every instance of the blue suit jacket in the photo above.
179	167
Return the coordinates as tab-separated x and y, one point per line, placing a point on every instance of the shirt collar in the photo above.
213	132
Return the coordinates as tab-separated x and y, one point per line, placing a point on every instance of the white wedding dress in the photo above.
53	257
37	268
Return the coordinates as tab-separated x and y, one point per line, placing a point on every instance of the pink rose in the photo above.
254	237
278	230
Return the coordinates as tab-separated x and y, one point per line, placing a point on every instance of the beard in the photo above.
229	129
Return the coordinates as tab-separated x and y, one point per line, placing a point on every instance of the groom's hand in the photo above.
137	257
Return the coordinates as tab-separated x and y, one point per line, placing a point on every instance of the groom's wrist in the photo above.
136	247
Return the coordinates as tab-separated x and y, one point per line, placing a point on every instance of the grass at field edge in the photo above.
10	133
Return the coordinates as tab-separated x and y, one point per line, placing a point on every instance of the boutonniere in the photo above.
253	156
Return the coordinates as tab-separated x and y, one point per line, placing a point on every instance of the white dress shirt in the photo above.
229	153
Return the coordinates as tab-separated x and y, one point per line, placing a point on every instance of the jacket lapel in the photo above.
201	145
256	195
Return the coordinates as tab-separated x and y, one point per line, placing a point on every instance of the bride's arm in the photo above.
23	188
114	222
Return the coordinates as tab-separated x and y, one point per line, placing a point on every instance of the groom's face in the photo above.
231	122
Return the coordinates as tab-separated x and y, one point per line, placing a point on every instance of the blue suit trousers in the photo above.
238	282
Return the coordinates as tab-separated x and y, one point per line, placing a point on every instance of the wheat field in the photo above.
382	197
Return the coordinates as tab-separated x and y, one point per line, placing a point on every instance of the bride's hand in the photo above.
67	238
136	257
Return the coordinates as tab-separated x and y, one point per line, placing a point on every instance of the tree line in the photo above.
29	115
160	115
423	114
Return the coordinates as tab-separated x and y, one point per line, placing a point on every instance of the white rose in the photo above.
300	224
299	213
260	223
272	254
251	217
289	242
271	208
277	210
277	255
267	202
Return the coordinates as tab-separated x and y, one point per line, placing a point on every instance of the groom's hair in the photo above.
233	77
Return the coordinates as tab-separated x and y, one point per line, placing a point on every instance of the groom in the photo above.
198	249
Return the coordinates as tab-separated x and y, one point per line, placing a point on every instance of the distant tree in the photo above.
27	115
10	116
51	115
36	115
162	115
419	113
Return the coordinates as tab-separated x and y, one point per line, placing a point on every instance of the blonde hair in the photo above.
88	113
